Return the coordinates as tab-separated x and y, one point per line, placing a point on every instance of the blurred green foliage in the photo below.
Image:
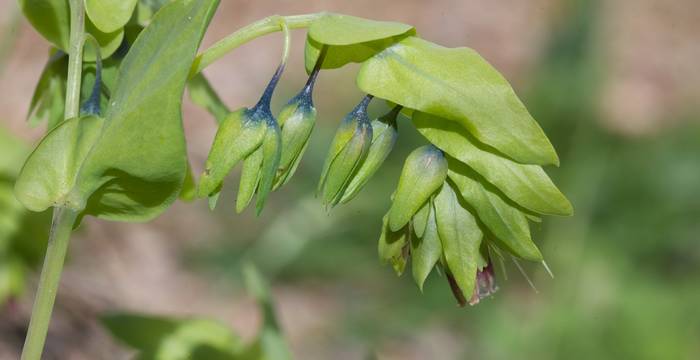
164	338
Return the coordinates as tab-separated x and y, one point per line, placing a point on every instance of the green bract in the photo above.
527	185
350	39
459	85
109	15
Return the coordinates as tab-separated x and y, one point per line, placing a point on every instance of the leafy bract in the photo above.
527	185
109	15
459	85
508	224
350	39
460	237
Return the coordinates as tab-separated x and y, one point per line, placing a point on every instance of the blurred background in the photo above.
613	83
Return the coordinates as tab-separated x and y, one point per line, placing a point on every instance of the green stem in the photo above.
75	58
59	238
257	29
63	218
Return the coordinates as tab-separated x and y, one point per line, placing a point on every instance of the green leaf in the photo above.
459	85
507	223
423	173
51	18
51	170
109	15
426	250
527	185
203	94
350	39
138	165
460	237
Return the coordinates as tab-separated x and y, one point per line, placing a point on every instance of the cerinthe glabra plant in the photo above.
463	198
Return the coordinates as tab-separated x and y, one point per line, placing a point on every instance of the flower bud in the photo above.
384	135
348	150
250	134
423	173
238	136
296	120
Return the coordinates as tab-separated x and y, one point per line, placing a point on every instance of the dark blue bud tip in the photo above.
262	108
309	87
91	106
360	111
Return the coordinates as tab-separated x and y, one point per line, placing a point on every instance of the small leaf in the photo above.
349	39
425	251
459	85
460	237
506	222
109	15
50	171
527	185
423	173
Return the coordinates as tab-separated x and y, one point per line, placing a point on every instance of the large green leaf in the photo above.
109	15
350	39
460	237
137	167
459	85
131	165
507	223
527	185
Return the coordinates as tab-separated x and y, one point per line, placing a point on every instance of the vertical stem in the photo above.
59	237
63	218
75	58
